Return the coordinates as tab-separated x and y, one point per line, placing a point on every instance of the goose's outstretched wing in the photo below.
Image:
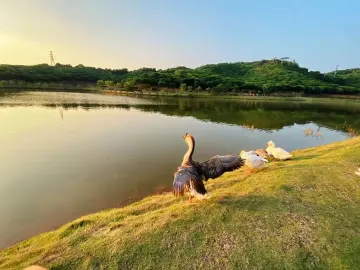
187	178
218	165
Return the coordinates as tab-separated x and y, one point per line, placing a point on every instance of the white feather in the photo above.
277	152
199	196
252	160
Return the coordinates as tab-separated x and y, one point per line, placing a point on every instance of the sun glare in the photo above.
4	39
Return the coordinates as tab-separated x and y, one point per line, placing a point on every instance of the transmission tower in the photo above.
52	60
336	70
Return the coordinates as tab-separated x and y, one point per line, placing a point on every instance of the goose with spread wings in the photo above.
191	175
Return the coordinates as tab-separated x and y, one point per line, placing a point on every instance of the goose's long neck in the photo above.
187	160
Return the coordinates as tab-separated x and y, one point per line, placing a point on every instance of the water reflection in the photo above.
262	115
68	155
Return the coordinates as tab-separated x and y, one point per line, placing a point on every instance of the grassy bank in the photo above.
298	214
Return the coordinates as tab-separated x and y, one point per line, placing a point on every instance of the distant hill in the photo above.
350	76
265	77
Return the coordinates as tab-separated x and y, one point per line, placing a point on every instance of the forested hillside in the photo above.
264	76
351	76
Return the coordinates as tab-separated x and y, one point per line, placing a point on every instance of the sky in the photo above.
167	33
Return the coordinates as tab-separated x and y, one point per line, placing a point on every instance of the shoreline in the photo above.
178	94
120	205
309	196
238	96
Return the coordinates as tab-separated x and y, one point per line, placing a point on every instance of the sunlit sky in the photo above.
168	33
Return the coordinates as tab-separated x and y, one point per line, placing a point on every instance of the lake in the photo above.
64	155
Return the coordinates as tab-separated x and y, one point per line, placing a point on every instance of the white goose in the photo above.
358	171
277	152
252	160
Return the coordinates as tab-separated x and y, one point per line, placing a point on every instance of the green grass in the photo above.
297	214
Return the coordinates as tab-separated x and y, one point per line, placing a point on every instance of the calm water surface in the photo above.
64	155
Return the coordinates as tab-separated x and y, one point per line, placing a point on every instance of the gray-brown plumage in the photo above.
262	153
191	174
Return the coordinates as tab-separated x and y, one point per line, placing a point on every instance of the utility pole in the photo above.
52	60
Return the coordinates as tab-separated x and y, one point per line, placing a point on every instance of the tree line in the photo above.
264	77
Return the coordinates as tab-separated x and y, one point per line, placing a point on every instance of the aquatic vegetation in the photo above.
251	128
352	132
311	132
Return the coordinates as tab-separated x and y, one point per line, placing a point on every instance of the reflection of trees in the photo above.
260	114
263	115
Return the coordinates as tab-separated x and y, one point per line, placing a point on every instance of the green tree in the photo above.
129	85
162	83
265	75
100	83
109	83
